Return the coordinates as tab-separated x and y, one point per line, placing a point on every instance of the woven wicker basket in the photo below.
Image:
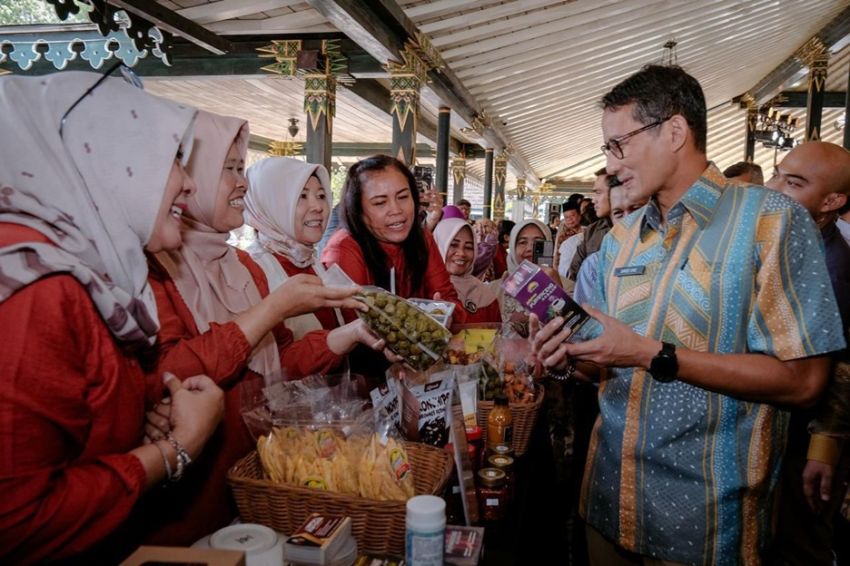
378	526
524	418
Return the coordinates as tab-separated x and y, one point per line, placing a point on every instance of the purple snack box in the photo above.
538	294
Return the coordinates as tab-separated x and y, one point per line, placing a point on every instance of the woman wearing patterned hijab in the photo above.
219	318
77	211
289	204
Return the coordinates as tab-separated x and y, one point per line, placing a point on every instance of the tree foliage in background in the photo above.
18	12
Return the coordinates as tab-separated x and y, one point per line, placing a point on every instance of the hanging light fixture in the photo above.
289	147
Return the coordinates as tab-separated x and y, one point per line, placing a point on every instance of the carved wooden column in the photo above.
500	173
847	113
815	55
459	176
752	123
488	182
406	80
519	204
320	106
443	133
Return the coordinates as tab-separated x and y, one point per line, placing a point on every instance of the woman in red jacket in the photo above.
81	197
380	242
219	317
288	205
457	246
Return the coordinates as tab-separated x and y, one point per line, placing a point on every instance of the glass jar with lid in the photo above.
506	464
492	494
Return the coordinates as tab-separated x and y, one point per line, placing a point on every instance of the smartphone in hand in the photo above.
543	253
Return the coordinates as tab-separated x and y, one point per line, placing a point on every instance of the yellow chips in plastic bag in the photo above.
323	459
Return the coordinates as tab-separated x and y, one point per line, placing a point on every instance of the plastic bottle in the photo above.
426	527
500	423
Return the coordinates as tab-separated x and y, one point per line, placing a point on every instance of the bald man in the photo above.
817	175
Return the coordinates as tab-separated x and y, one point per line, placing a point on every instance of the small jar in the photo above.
492	494
475	445
506	464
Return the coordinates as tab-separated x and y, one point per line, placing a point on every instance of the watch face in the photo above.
664	366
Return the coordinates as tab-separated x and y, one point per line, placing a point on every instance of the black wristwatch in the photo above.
664	367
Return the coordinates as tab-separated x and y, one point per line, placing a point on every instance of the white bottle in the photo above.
426	527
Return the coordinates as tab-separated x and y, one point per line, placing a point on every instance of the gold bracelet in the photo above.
823	448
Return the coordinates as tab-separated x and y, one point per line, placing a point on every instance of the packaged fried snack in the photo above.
324	459
409	331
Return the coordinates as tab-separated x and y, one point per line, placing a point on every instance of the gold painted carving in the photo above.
320	98
500	169
285	54
520	188
459	169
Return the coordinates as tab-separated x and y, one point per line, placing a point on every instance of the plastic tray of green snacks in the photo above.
409	331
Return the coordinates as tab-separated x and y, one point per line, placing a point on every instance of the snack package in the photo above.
441	311
538	294
316	400
408	330
469	345
324	459
386	406
515	370
426	413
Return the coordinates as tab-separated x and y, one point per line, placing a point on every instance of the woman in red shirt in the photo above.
457	246
218	317
80	198
288	205
380	242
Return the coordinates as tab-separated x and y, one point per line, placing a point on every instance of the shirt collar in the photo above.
699	200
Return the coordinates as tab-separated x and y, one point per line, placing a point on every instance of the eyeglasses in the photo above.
615	145
126	72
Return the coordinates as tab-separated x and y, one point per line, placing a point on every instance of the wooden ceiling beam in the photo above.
832	33
382	28
170	21
230	9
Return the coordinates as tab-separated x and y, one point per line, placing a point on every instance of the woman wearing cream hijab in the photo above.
289	204
457	246
77	212
217	316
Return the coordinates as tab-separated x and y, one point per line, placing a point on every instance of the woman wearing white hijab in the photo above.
521	248
77	210
457	247
289	204
219	317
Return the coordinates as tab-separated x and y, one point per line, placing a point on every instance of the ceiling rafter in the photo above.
382	28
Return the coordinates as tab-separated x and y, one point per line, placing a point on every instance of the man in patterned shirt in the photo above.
717	310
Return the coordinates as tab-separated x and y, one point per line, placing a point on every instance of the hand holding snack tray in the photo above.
409	331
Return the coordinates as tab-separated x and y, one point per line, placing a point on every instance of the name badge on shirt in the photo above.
629	270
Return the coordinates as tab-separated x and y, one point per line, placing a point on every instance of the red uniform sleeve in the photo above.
71	407
344	251
437	280
221	352
309	355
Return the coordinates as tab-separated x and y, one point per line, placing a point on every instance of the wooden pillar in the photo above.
488	182
442	180
406	80
847	113
815	55
459	176
320	106
519	204
752	121
500	173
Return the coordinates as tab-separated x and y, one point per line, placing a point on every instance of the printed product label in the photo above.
492	502
325	443
424	549
399	464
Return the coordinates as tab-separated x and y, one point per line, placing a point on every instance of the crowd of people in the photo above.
700	420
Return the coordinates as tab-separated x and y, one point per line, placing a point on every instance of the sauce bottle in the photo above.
500	423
